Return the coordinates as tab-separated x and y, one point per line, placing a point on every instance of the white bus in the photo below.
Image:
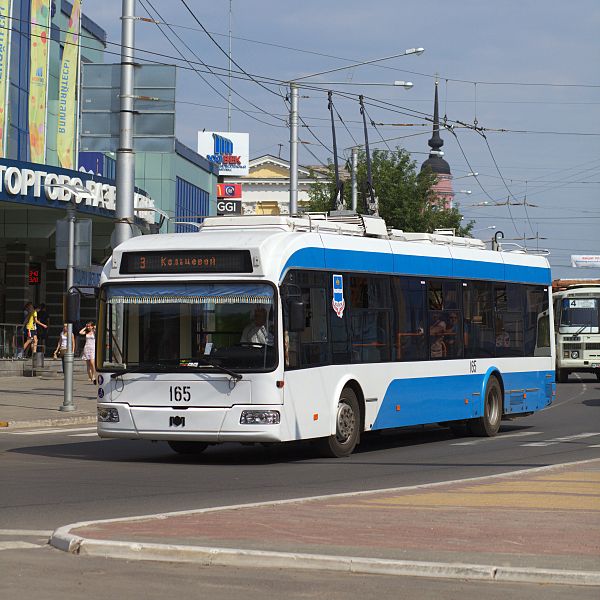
273	329
577	327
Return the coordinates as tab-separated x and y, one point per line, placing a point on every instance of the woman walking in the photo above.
89	350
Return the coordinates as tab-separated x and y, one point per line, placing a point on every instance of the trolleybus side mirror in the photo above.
296	315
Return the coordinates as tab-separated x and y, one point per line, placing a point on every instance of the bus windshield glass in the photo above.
579	315
170	327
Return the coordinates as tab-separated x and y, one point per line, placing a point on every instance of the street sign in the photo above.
154	103
229	190
229	207
83	243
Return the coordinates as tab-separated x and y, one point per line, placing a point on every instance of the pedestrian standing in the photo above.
61	347
89	350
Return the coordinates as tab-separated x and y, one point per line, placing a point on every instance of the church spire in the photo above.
435	161
436	142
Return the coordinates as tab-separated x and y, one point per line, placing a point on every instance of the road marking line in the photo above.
568	438
27	532
18	545
498	437
93	434
61	430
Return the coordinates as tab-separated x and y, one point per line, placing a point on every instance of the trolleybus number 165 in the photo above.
180	393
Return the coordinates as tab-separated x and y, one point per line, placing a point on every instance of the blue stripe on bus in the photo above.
381	262
451	398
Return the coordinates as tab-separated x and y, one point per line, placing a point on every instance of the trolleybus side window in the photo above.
510	311
410	340
445	320
479	322
537	325
369	311
310	347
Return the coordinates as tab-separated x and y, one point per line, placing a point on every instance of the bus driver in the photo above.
257	332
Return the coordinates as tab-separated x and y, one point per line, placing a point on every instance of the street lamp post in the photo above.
294	119
78	192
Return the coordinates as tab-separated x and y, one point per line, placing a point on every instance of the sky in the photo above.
529	67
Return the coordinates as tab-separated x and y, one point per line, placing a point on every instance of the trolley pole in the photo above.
125	154
354	165
67	404
293	149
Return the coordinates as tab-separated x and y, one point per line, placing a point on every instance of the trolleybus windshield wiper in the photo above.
144	367
218	367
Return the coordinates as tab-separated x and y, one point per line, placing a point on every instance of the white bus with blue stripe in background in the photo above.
577	327
275	329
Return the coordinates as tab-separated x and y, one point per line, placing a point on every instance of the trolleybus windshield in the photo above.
164	327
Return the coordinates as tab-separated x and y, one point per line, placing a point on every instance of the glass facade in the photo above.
192	205
92	45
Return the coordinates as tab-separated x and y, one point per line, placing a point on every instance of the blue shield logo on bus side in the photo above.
337	302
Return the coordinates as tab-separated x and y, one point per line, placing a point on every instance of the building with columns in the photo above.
266	188
435	162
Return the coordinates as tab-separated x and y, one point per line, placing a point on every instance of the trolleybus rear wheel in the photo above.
347	427
489	424
188	447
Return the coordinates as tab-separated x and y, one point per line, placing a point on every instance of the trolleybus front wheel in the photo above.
347	427
489	424
188	447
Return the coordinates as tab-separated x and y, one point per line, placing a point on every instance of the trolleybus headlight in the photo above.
565	354
108	415
575	354
259	417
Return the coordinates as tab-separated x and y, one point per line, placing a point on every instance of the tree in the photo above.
406	197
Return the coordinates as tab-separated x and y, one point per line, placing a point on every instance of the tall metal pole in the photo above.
229	77
125	153
67	404
293	149
353	179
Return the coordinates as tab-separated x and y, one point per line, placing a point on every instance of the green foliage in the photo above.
406	197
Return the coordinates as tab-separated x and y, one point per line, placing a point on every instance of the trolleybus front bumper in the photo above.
193	424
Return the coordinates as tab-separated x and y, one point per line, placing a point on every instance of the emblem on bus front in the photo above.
177	421
337	302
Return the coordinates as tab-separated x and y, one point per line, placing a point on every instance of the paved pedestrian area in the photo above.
546	518
36	401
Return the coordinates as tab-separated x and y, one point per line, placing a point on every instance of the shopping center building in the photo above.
39	155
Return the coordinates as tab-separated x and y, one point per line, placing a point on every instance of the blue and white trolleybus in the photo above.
273	329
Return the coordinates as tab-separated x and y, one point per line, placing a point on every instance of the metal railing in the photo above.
11	341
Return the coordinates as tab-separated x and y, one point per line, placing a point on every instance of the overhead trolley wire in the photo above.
212	39
203	78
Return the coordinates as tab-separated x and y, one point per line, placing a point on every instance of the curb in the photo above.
238	557
57	422
64	540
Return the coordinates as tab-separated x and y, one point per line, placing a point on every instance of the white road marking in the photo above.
93	434
27	532
501	436
18	545
57	430
559	440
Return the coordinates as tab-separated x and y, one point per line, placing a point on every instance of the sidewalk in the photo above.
539	525
35	402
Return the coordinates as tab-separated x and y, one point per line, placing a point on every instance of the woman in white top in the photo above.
61	347
89	350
